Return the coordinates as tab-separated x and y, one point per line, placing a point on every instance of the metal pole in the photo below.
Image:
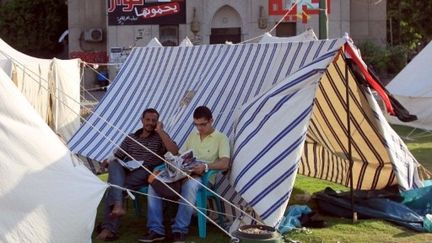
351	162
323	20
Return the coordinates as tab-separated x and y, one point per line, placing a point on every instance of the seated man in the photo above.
209	145
153	137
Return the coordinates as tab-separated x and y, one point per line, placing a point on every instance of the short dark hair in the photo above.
150	110
202	112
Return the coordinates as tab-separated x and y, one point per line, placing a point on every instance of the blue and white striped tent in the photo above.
281	104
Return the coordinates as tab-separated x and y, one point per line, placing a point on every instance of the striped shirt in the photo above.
152	142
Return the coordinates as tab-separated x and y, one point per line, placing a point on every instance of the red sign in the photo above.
298	9
90	57
141	12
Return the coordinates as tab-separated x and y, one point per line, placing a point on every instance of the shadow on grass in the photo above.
423	156
405	234
133	226
299	196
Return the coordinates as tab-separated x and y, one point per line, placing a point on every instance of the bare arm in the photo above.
167	141
219	164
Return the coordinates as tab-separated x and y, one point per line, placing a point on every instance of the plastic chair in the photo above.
144	189
136	202
201	201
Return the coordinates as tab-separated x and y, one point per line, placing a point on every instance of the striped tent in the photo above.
283	105
313	140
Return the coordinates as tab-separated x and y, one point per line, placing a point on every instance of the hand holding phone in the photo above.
159	126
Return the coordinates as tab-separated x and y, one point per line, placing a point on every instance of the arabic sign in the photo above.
300	9
141	12
90	56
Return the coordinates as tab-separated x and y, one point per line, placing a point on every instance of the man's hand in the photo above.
199	169
159	127
167	141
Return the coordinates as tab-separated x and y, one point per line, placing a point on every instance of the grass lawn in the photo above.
338	230
421	148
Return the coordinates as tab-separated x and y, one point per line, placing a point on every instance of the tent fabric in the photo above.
368	77
154	43
371	136
120	108
376	204
419	199
186	42
262	176
405	165
175	93
34	77
328	135
308	35
412	87
281	105
66	103
42	186
6	65
264	172
31	77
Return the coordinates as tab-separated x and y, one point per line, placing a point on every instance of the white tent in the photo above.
66	103
412	87
42	186
6	65
44	82
186	42
275	134
308	35
154	43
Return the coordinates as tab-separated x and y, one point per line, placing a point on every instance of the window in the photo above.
220	35
169	35
286	29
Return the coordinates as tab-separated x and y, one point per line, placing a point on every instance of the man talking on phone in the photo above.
151	136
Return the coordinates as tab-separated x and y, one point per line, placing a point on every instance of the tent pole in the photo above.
323	20
351	162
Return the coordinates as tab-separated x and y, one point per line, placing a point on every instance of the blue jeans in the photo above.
184	213
118	175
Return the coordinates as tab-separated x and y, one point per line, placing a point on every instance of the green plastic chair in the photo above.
144	189
201	201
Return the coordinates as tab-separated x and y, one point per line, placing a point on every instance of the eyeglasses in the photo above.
203	124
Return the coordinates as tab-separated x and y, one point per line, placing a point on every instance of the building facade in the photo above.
100	29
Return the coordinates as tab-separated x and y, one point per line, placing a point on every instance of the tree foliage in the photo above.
384	61
408	32
410	23
33	27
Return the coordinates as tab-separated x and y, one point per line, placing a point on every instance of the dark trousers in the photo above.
118	175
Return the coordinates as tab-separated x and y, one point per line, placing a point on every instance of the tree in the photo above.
408	23
33	27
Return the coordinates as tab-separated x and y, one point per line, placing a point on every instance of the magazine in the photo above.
185	162
188	161
131	164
